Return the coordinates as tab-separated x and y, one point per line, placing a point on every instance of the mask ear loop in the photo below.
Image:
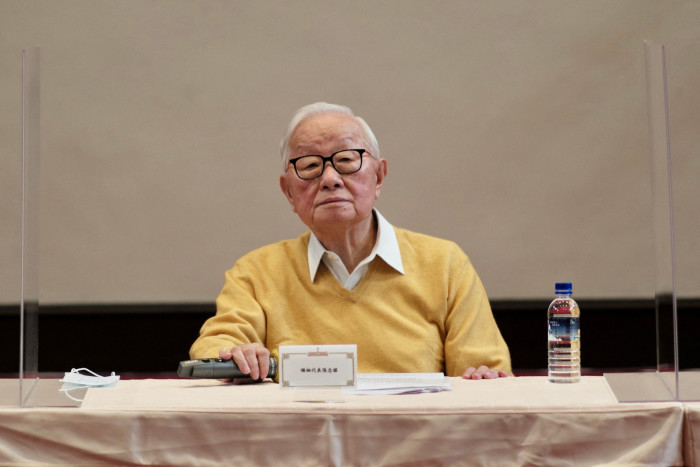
68	390
77	371
89	371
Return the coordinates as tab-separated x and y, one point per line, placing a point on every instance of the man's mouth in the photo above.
332	201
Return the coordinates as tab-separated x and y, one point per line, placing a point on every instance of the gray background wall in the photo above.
517	129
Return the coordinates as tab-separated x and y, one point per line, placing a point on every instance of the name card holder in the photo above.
318	366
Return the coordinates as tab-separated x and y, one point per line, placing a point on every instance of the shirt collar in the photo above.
386	246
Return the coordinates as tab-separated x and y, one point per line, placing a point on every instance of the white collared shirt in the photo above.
386	246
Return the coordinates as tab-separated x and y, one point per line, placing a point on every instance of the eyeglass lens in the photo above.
345	162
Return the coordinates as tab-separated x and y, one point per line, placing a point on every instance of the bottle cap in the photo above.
562	288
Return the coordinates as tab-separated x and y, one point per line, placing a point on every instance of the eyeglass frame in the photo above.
325	159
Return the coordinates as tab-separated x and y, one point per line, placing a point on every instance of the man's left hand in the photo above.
483	372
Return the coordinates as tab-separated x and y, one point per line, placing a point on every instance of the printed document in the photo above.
399	383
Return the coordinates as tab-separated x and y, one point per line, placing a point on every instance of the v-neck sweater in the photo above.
435	317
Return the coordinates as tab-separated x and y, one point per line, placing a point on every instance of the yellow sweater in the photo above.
434	318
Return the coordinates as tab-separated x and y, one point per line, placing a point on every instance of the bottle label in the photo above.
563	328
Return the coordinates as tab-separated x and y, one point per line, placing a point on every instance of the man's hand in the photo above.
483	372
251	359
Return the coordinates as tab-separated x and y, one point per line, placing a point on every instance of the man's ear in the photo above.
287	192
382	170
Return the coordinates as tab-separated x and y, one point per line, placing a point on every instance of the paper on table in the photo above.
399	383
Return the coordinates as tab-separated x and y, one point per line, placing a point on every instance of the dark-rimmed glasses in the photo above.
345	162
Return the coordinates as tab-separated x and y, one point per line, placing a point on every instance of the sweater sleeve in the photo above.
239	317
472	335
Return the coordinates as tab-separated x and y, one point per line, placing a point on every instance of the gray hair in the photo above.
319	108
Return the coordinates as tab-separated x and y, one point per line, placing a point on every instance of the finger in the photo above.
258	359
240	359
480	372
251	357
494	374
263	357
484	372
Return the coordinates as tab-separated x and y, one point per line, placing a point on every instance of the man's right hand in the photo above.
251	359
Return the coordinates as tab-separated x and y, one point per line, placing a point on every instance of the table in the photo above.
692	433
511	421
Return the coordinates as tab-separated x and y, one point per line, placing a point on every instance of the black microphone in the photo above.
218	368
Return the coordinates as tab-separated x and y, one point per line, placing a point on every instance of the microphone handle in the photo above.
217	368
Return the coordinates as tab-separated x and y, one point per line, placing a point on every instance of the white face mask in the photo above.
92	380
76	380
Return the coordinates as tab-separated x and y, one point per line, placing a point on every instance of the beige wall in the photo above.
516	128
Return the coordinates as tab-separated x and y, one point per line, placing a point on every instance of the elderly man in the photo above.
411	303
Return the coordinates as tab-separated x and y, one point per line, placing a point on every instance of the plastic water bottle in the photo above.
564	336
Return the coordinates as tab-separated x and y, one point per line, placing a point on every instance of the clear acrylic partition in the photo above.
29	389
668	382
662	218
31	156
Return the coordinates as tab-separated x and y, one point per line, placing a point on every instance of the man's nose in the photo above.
330	177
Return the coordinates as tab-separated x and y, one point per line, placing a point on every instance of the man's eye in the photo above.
308	165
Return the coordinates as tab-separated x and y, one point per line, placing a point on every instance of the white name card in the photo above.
318	366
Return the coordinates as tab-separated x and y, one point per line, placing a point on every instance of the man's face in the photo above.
332	201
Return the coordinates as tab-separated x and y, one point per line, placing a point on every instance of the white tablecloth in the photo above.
513	421
692	433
